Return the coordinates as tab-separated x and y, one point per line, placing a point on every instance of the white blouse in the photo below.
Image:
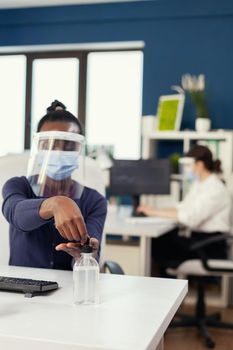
206	207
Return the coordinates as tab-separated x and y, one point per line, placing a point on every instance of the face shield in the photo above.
56	164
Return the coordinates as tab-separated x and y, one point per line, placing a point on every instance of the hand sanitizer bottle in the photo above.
86	278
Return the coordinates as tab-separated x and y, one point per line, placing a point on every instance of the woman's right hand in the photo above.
67	216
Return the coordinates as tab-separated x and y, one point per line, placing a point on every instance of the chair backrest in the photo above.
113	267
16	165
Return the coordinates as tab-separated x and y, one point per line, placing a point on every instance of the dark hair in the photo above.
57	112
203	154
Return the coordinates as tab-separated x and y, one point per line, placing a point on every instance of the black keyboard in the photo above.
26	285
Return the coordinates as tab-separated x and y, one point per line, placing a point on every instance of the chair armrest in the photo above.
216	269
208	241
198	248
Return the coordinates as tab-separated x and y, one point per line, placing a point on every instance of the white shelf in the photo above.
220	135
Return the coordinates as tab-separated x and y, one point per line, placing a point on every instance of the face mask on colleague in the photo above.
191	176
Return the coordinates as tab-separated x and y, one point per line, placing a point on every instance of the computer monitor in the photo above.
138	177
169	112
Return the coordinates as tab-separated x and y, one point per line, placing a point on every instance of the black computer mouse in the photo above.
139	214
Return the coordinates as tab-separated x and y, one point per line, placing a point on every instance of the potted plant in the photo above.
195	88
174	159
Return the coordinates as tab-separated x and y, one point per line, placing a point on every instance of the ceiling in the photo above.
4	4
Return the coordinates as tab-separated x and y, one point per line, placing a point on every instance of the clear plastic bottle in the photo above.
86	278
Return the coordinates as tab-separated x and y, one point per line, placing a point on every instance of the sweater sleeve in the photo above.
96	218
19	209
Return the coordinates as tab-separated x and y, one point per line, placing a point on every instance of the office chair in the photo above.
112	267
200	269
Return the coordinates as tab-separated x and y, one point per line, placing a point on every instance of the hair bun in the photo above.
217	166
56	106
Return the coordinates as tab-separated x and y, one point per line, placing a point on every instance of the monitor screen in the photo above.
137	177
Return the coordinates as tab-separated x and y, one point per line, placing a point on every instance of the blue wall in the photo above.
181	36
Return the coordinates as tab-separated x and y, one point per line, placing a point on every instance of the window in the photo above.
12	97
102	88
54	78
114	101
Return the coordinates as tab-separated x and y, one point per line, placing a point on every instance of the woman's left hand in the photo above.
74	249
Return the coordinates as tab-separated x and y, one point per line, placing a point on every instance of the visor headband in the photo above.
59	135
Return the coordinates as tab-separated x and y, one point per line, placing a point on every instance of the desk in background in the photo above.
118	223
134	313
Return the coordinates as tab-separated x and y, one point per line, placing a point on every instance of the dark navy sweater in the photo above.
33	239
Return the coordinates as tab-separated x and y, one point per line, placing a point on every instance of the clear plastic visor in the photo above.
56	164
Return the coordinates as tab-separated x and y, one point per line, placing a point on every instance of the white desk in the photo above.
117	223
133	314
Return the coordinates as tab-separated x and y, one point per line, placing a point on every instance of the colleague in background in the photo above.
50	214
205	211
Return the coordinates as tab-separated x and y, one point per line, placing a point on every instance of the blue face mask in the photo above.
60	164
191	176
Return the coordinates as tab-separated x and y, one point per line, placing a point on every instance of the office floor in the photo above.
189	339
